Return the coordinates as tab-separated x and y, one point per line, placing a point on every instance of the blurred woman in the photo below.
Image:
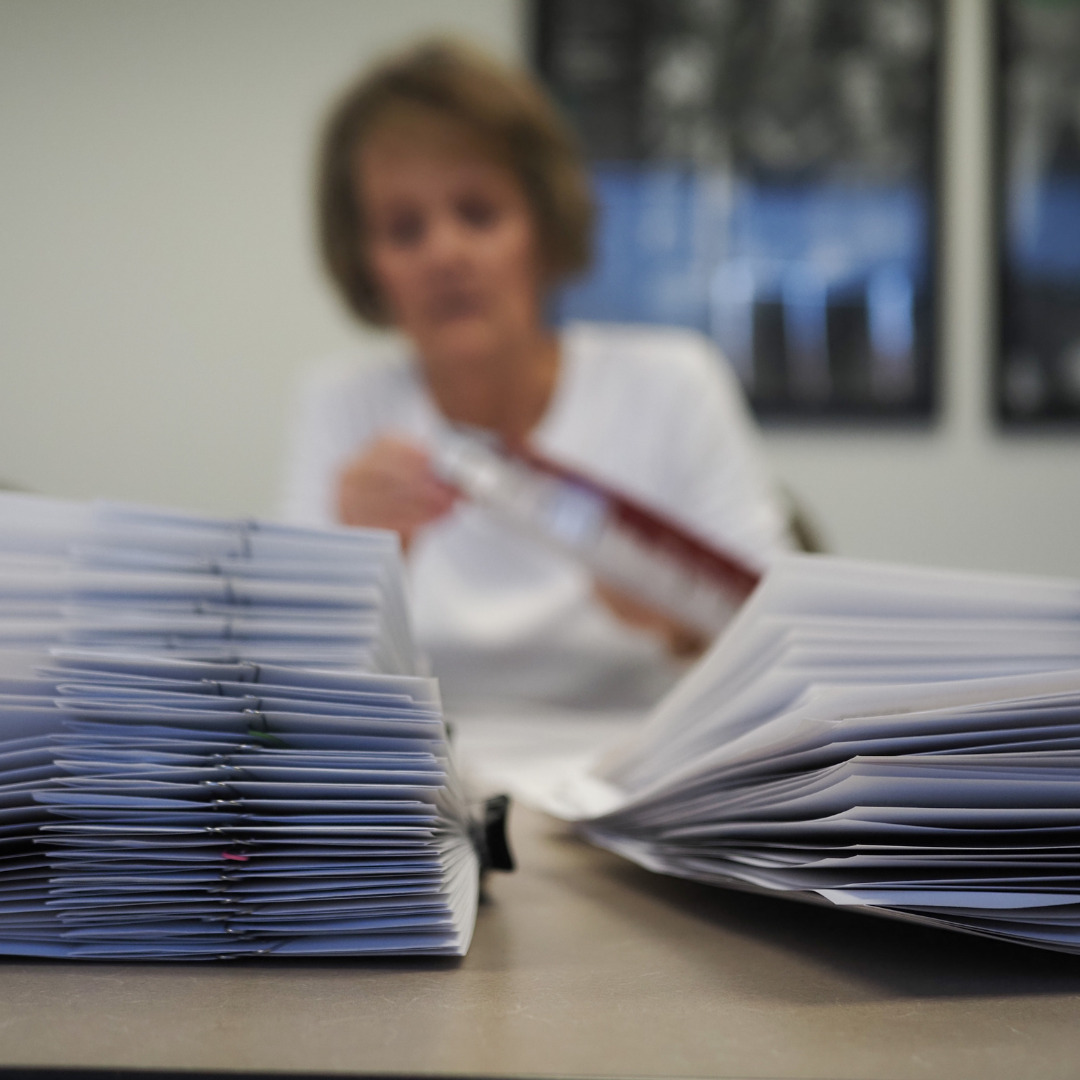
452	201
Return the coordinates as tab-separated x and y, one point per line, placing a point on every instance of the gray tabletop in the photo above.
582	965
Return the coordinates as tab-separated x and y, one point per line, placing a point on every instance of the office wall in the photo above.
158	282
159	290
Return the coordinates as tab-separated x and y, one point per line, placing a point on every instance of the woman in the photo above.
451	202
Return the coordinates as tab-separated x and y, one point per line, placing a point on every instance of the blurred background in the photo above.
767	173
1039	171
160	292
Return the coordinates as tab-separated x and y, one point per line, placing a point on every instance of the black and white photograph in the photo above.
1039	158
765	171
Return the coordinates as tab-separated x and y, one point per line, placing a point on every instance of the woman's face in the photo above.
452	244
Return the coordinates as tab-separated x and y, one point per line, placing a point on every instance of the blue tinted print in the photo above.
1044	228
724	256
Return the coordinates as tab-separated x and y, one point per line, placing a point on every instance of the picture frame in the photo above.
766	173
1037	164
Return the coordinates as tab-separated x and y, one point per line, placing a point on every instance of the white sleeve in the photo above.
318	443
722	476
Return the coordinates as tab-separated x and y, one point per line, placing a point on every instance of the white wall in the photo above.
159	288
158	281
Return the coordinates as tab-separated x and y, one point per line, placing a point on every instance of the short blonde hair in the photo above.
511	118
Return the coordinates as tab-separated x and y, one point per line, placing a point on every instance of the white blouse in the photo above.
654	412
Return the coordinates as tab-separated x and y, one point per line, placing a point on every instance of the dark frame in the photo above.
854	400
1016	408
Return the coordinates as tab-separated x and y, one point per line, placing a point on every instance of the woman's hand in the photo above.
391	485
682	641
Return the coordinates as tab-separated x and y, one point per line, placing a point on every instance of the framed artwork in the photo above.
1038	375
765	173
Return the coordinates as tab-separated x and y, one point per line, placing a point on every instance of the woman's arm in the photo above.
681	641
345	466
391	485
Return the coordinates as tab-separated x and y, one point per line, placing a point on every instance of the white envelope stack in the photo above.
118	577
897	740
179	785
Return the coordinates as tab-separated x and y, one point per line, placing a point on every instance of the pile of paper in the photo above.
210	796
901	741
118	577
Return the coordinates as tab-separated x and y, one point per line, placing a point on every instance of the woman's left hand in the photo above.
682	641
392	485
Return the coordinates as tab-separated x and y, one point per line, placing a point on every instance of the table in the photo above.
582	965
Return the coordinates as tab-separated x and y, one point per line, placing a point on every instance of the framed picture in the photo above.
1038	376
765	172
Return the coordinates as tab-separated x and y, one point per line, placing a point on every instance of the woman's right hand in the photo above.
391	485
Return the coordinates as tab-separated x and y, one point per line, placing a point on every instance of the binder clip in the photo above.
489	835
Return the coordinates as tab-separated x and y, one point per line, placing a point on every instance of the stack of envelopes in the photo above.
168	807
902	741
119	577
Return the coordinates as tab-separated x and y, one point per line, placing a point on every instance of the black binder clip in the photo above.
489	835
